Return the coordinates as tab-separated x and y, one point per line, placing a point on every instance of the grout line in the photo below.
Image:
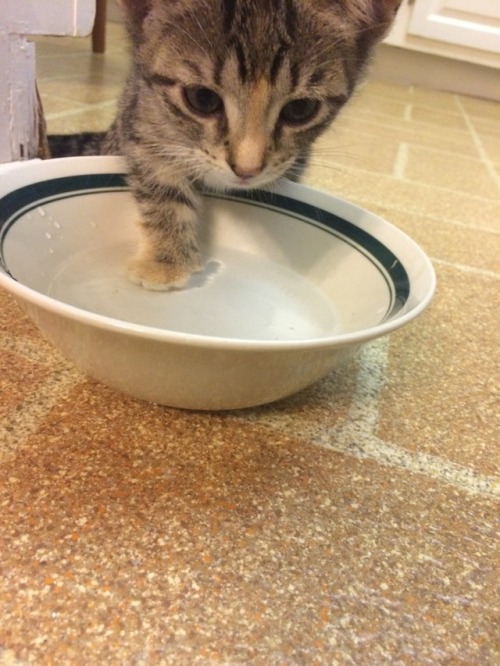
356	436
366	114
448	152
424	464
481	272
442	151
478	143
356	171
20	423
64	52
461	225
348	169
85	108
401	161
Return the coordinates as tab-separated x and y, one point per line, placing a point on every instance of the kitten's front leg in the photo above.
168	250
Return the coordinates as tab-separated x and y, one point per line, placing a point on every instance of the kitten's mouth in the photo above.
246	182
228	182
251	182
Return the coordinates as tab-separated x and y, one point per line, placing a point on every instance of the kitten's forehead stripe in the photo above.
218	67
290	15
194	67
277	63
229	9
295	74
316	78
242	61
278	30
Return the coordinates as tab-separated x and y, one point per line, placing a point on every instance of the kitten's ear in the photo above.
375	15
142	16
384	10
390	6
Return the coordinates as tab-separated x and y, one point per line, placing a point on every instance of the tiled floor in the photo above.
355	523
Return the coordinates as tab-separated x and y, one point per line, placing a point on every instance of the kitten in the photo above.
226	94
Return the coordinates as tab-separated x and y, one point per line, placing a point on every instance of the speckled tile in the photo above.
386	89
96	118
433	99
134	534
383	193
94	93
60	69
480	108
56	107
454	172
34	377
368	125
13	322
489	126
439	118
490	143
345	146
375	105
452	243
17	374
442	392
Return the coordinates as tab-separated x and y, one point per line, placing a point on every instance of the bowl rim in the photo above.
110	324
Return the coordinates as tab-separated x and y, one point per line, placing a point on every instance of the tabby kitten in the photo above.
227	94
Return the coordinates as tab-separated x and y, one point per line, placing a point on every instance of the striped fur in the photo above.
85	143
228	94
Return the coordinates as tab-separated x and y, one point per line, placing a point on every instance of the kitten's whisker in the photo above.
326	165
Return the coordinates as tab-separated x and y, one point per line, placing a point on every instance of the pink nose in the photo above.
247	172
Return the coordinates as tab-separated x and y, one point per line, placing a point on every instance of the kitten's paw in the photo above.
158	275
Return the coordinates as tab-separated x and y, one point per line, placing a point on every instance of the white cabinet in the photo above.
446	44
471	24
47	17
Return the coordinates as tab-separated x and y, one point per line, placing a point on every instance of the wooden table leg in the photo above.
99	31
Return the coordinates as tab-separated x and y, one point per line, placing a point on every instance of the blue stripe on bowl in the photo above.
25	199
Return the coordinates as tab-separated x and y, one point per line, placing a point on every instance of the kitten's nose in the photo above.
246	171
247	156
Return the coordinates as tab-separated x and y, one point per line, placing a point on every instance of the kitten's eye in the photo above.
299	111
203	100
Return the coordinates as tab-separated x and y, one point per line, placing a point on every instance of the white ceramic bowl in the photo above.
295	281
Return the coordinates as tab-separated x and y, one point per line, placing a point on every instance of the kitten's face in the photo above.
236	91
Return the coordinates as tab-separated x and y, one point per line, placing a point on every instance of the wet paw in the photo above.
160	276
